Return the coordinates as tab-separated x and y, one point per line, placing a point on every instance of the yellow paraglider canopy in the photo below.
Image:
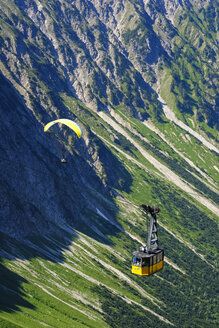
71	124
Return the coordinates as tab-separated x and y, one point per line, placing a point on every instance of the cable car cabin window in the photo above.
146	262
159	257
136	261
155	259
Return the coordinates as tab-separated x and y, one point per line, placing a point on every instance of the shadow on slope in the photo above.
41	197
11	292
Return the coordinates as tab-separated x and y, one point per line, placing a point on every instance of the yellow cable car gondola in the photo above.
150	258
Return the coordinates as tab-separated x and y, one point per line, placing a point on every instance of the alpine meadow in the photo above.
109	170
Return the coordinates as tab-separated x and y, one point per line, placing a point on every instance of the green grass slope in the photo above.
68	232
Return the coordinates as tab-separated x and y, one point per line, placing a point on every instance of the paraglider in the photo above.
73	126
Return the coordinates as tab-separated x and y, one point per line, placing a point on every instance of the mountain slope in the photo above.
140	79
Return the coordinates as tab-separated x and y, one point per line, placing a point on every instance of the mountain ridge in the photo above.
139	77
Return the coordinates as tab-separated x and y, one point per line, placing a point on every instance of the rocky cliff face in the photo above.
39	194
106	51
108	56
140	77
